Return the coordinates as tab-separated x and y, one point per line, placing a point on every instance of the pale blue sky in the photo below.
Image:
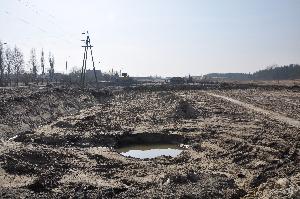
163	37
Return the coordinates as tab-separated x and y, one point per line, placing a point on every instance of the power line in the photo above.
39	12
25	21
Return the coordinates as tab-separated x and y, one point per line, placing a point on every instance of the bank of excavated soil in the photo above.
24	109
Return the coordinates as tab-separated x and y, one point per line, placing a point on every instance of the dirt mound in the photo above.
25	110
185	110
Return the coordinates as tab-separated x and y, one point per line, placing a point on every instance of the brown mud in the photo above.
230	151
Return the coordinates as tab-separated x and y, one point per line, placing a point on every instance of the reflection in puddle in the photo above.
150	151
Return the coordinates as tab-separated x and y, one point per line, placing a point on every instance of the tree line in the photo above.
286	72
13	73
12	67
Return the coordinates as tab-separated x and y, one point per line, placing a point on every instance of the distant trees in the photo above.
12	66
9	63
42	62
33	64
286	72
51	62
42	65
18	63
2	65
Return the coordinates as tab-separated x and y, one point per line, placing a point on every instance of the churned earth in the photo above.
229	150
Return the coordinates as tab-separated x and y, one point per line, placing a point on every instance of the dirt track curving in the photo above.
277	116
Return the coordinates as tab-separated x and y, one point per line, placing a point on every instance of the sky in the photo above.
157	37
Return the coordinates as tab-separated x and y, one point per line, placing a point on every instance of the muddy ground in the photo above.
231	151
286	102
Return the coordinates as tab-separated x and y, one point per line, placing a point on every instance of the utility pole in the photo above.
87	47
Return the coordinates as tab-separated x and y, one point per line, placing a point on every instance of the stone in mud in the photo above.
282	183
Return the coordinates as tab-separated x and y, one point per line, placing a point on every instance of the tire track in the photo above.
271	114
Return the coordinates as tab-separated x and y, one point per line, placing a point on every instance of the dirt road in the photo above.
277	116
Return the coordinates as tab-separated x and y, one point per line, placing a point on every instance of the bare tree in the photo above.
43	65
9	63
18	63
33	63
2	65
51	70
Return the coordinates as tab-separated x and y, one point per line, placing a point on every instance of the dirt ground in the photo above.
230	151
286	102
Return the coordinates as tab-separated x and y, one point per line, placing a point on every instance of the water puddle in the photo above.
150	151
